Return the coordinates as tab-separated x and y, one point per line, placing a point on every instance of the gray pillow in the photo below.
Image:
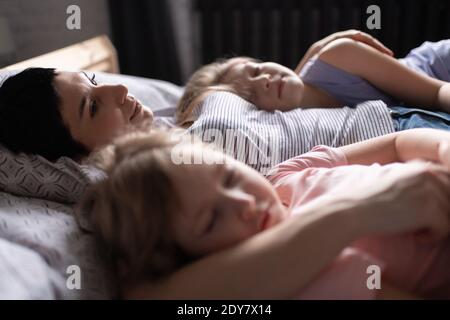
34	176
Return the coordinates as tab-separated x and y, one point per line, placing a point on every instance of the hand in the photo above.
414	198
357	36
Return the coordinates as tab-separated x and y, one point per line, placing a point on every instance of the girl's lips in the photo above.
280	88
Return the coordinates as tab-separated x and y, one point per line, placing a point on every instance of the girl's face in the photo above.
95	113
221	204
270	85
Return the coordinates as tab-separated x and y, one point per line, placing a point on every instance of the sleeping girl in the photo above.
157	216
341	72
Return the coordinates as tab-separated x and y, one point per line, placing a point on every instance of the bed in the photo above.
44	254
43	248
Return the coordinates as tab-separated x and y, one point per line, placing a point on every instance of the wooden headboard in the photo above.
96	54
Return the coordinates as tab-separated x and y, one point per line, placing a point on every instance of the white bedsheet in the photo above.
39	241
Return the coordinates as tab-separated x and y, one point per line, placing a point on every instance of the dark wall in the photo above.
169	39
144	37
29	28
282	30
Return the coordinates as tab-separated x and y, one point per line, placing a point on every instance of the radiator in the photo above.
282	30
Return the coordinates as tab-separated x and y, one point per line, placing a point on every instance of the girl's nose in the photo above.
264	80
243	204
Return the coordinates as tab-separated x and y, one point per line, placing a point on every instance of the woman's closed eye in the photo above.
91	79
93	108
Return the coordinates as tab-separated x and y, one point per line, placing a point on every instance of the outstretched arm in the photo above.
387	74
426	144
288	255
293	253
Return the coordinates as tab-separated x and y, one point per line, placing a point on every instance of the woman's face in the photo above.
269	84
222	202
96	113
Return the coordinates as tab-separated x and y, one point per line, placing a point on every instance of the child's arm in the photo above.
387	74
351	34
276	255
427	144
291	254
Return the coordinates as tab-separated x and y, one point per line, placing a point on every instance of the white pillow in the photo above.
25	275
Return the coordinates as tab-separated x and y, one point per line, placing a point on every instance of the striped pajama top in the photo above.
263	139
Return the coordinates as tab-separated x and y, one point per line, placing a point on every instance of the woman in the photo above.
58	114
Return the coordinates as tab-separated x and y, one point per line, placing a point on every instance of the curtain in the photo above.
143	34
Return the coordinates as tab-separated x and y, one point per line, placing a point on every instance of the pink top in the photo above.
404	262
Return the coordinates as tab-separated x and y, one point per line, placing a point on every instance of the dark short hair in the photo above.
30	117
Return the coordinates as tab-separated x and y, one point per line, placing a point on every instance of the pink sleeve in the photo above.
344	279
319	157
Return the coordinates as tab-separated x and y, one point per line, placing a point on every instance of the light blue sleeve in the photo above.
431	58
345	87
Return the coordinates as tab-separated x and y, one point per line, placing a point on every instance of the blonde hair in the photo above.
130	209
208	78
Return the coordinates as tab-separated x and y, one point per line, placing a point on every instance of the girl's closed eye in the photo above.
256	71
231	178
212	221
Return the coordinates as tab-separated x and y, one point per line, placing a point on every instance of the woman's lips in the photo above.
136	110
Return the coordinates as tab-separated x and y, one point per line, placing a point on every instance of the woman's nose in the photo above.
117	92
121	93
